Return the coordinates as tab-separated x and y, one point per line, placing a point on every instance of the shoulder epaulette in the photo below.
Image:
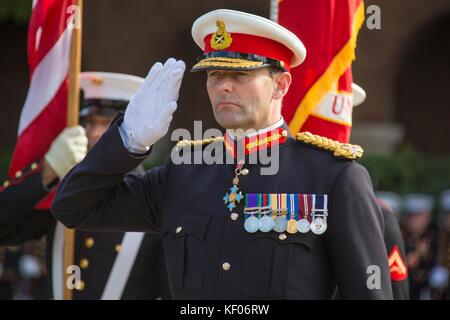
190	143
339	149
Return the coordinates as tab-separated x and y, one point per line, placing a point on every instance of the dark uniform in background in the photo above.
439	277
390	205
95	252
420	243
20	222
9	273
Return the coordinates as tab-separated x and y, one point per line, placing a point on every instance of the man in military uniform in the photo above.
229	230
138	273
420	242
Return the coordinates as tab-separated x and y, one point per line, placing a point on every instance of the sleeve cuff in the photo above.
128	144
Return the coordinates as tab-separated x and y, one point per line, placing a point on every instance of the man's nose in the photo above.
225	84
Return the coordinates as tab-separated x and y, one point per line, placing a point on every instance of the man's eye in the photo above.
242	74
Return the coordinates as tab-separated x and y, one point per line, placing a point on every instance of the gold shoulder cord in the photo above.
185	143
339	149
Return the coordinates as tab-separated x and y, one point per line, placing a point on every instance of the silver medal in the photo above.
318	226
303	226
265	224
280	224
251	224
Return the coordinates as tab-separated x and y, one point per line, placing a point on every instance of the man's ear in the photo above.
283	82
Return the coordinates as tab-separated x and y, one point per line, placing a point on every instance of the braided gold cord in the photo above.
339	149
227	62
231	60
185	143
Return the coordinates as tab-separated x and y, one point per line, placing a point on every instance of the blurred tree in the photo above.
407	171
15	10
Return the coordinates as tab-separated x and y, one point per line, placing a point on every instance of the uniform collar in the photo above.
274	126
262	139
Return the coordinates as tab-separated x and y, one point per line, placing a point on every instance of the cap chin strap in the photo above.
244	56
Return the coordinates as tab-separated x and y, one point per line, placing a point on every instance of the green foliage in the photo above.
408	171
15	10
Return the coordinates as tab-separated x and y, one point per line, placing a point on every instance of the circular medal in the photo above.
318	226
251	224
292	226
303	226
280	224
265	224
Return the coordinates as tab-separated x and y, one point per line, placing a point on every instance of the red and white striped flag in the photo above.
43	115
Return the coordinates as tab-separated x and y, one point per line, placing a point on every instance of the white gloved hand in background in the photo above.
438	277
149	113
67	150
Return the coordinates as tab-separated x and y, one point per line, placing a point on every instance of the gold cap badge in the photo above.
221	39
97	81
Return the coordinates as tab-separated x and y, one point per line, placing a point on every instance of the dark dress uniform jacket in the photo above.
184	203
393	238
19	222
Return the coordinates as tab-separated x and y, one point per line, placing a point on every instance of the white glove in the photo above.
67	150
29	266
149	113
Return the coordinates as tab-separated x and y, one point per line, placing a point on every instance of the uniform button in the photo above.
89	242
118	247
80	285
178	230
84	263
34	166
284	133
234	216
226	266
282	236
18	174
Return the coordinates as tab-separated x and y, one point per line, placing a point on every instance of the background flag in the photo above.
320	96
43	115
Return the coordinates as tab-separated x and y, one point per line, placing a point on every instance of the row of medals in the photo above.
280	224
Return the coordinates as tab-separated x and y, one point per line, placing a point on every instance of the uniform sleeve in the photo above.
96	194
19	221
395	247
32	226
355	237
19	199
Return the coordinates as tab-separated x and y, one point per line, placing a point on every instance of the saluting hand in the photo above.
150	110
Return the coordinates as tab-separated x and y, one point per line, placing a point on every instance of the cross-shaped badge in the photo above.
233	196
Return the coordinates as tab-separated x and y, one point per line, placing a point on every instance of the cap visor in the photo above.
223	63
